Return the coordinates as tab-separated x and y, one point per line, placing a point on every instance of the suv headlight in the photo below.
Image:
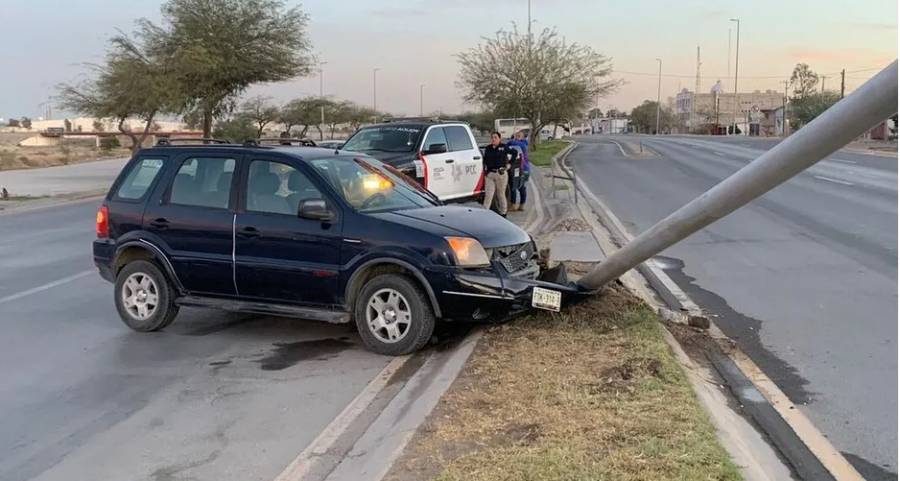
468	252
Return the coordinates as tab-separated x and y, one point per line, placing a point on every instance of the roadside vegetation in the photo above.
542	153
591	393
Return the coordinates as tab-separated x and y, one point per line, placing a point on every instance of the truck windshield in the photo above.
368	187
384	138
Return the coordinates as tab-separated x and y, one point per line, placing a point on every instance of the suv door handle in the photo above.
477	157
448	161
249	232
159	223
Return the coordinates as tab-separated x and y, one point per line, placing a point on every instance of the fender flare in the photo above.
157	253
397	262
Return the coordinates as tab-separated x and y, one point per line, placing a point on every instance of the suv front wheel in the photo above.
143	297
393	315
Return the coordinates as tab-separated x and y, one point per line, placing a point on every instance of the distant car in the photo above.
312	233
442	156
330	144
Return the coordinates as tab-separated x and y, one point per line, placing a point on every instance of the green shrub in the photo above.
109	143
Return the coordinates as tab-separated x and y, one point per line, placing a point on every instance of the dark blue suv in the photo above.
307	232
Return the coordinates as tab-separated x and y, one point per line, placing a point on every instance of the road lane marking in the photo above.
844	161
301	466
836	181
720	154
809	434
49	285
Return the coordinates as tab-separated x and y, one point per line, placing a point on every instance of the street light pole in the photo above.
375	89
321	100
658	93
421	100
737	55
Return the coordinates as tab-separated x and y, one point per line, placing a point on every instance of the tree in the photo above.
803	80
236	129
359	115
302	112
643	118
260	112
67	125
480	121
97	125
12	123
131	83
540	78
25	122
805	109
595	113
614	113
220	47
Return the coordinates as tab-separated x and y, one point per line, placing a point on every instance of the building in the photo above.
609	125
705	111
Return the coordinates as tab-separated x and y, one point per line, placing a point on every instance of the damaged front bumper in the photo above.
489	295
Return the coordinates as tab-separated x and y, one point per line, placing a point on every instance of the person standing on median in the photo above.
517	193
496	163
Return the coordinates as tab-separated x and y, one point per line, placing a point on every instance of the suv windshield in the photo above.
385	138
367	186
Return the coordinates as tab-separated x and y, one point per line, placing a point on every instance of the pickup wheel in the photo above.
144	298
393	315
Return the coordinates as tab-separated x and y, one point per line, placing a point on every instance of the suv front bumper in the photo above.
488	295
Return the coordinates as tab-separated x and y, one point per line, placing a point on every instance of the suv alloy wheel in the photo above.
144	298
393	315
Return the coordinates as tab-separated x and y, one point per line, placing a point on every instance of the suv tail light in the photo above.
103	222
424	170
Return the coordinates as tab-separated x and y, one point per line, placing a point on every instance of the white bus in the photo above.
508	127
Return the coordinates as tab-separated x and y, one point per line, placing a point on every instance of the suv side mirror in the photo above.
435	149
315	209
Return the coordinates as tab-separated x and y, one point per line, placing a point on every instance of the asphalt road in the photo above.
215	396
804	278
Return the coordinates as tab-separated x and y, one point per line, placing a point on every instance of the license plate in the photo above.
546	299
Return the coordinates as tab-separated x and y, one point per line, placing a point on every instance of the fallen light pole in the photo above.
873	102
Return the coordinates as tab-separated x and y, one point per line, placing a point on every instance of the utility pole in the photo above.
737	56
823	83
658	91
843	73
321	100
696	88
375	89
784	126
529	21
840	124
728	62
421	100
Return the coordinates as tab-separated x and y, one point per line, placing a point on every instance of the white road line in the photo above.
720	154
301	466
49	285
836	181
844	161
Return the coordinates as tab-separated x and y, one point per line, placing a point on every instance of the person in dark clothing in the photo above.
496	162
517	189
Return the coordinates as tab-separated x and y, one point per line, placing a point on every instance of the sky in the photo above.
415	42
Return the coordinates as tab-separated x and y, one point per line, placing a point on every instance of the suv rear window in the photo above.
139	179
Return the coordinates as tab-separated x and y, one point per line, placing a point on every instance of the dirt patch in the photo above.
589	393
13	157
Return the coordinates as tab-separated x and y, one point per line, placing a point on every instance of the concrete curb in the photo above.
817	454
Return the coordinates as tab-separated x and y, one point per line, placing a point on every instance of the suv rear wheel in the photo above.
393	315
144	298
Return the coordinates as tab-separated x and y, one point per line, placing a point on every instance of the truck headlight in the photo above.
468	252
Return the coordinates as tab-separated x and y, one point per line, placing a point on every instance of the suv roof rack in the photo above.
435	120
202	140
282	141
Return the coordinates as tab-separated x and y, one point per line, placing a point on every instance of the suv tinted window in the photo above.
435	136
203	182
139	179
385	138
278	188
459	138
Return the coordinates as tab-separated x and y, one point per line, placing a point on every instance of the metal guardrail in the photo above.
873	102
